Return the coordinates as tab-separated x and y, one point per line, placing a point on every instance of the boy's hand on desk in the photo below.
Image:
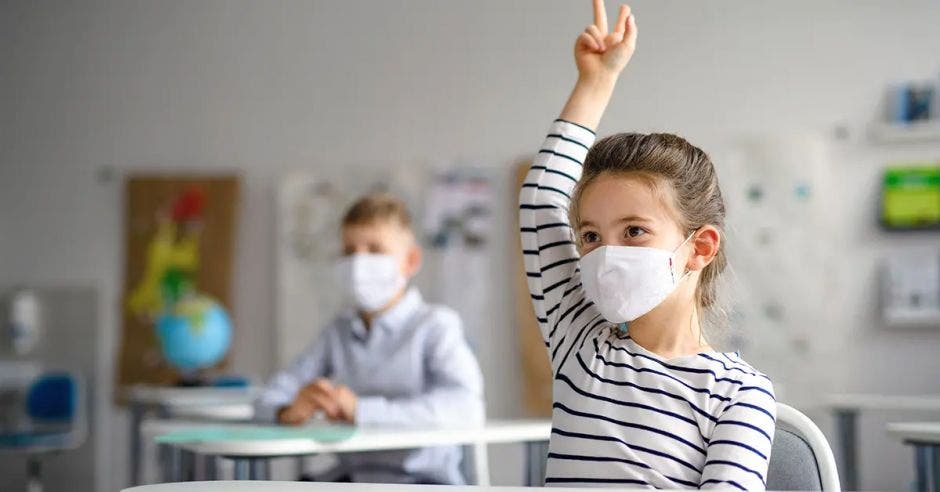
296	413
336	401
347	401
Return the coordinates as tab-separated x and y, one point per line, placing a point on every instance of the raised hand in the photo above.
321	394
600	56
599	53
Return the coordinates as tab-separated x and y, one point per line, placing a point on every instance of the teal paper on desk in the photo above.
325	433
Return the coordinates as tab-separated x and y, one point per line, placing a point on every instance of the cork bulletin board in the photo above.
148	201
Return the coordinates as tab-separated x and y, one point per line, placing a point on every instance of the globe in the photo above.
194	333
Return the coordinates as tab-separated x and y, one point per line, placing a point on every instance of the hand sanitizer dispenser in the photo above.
24	321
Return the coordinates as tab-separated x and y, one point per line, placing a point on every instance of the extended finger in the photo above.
600	16
629	37
621	25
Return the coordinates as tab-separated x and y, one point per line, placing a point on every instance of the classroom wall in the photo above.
90	91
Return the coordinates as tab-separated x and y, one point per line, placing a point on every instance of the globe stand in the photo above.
193	381
198	378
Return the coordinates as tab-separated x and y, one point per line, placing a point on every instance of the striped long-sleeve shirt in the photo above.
622	415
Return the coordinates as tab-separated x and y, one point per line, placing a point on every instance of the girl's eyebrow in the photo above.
627	219
633	218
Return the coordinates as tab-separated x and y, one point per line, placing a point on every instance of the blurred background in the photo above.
813	112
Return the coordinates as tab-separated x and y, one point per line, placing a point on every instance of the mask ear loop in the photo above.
674	251
683	242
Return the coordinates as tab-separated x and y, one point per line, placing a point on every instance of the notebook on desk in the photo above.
320	433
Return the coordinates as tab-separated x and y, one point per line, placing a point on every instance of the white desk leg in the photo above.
925	461
171	463
242	469
481	464
536	454
135	417
212	467
847	423
33	473
204	467
252	468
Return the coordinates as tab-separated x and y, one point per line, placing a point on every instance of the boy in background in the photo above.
391	359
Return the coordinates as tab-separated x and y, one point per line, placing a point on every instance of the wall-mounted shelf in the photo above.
904	318
895	133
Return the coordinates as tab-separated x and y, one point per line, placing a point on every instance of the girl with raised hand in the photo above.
623	247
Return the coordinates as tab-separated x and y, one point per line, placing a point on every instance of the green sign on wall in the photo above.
911	197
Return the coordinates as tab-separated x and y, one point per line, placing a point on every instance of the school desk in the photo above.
269	486
847	407
252	446
925	438
207	403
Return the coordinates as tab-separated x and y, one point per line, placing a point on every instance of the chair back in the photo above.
800	458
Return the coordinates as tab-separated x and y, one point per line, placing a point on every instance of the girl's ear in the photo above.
705	245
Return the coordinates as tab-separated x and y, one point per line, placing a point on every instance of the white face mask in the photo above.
370	281
626	282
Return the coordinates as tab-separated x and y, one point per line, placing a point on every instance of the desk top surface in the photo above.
264	486
919	432
876	401
175	396
363	439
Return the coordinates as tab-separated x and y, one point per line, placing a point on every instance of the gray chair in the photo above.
800	458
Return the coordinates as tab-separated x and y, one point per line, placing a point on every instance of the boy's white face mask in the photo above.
370	281
626	282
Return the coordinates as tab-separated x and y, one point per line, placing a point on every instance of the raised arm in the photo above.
549	250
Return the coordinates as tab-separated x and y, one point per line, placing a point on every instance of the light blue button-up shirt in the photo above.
412	367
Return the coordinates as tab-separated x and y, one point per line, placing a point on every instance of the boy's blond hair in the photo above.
379	207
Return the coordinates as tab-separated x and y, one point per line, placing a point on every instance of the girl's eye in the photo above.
634	231
590	237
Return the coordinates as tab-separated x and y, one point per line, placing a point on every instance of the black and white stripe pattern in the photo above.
623	416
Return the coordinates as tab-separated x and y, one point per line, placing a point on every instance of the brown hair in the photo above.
375	208
665	159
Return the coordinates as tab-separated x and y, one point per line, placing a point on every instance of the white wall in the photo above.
264	87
